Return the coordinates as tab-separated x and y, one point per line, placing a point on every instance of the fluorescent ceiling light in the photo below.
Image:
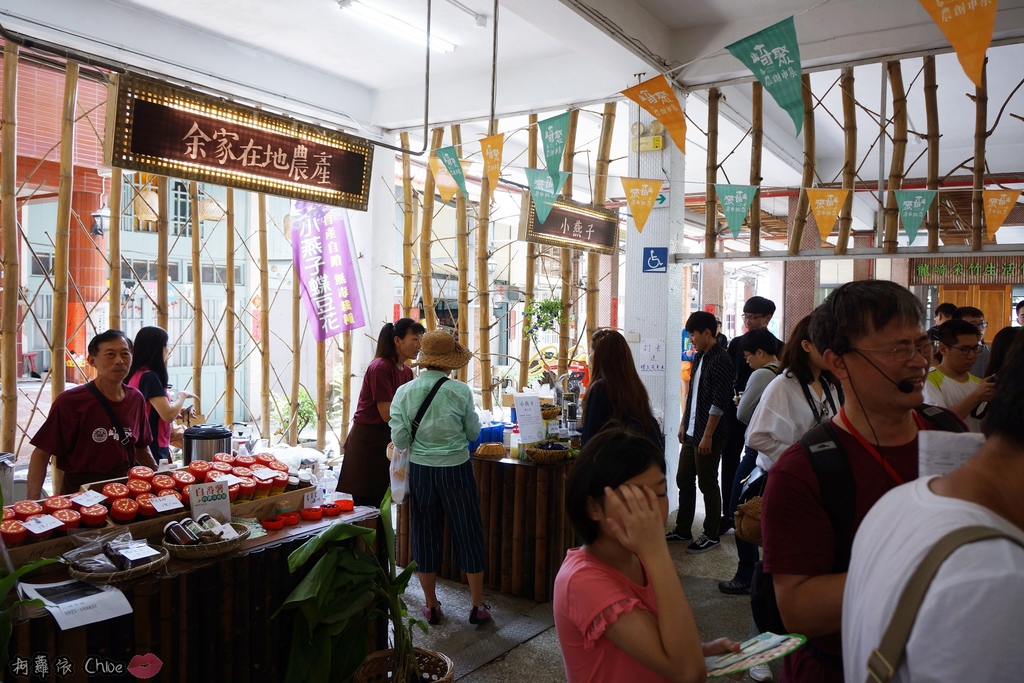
396	26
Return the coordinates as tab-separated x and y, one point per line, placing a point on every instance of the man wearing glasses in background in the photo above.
951	384
975	317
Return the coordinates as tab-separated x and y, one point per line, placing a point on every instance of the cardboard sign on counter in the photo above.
531	423
210	498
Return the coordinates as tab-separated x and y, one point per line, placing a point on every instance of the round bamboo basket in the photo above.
205	550
434	666
114	577
545	457
550	413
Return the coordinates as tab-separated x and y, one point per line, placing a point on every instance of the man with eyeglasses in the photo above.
1020	312
975	317
951	384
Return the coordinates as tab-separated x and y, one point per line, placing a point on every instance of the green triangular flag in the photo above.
773	55
553	132
913	205
543	191
735	201
450	158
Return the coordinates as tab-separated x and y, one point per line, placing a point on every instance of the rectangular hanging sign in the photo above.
571	225
954	270
158	128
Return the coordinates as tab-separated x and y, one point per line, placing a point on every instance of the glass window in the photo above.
42	266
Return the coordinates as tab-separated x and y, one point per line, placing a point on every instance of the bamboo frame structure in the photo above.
604	154
807	178
197	293
462	258
264	320
931	108
293	423
229	310
899	152
162	232
62	238
408	237
756	142
11	265
711	177
483	284
566	255
426	221
114	244
980	135
531	263
847	83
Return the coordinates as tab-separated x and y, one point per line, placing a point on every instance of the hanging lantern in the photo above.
211	210
145	205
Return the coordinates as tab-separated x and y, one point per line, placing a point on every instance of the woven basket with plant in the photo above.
549	411
548	453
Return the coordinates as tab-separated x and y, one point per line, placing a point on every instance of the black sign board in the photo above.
158	128
571	225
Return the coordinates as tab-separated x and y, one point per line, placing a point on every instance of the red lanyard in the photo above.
871	449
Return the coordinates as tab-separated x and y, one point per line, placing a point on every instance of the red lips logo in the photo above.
145	666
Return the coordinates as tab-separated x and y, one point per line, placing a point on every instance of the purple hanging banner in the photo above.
323	256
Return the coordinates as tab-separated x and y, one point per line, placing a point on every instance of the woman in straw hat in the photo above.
441	480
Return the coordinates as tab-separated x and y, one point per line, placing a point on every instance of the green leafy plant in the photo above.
306	415
541	315
345	589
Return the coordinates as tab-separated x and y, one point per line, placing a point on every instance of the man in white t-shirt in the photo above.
950	384
968	627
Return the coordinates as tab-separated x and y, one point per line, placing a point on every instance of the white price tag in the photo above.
40	525
314	498
137	552
265	473
211	498
89	498
231	480
166	503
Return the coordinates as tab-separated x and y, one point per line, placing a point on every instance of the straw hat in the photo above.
438	349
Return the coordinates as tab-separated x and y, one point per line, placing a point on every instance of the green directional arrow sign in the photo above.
661	200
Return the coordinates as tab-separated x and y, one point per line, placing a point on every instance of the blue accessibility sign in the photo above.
655	259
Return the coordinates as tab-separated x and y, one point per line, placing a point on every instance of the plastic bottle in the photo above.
329	483
513	442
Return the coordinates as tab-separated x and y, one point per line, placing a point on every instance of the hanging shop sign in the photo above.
996	270
158	128
571	225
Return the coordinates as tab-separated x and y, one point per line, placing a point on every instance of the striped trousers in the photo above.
437	492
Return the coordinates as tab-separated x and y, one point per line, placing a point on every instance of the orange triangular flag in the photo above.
968	26
491	148
825	205
657	98
640	195
998	204
443	181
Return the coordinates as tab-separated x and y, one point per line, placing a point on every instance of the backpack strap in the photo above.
423	409
838	488
941	419
885	659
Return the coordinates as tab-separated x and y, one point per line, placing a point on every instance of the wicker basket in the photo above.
544	457
376	668
114	577
550	413
205	550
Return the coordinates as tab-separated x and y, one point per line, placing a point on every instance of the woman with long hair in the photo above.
364	469
148	374
616	393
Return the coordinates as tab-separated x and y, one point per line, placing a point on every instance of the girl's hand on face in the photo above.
634	517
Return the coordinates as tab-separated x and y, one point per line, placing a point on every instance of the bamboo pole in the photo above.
600	195
426	265
197	293
114	231
162	228
293	423
58	340
899	152
321	397
531	263
407	228
11	265
807	179
566	255
483	281
264	321
346	394
756	142
462	258
711	177
849	157
229	311
980	135
931	108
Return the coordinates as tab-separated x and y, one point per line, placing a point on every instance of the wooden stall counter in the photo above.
204	620
526	531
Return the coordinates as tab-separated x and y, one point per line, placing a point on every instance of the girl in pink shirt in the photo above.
620	610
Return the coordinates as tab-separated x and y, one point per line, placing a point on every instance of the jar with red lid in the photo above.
169	492
183	479
184	495
162	482
224	457
54	503
233	492
94	515
68	517
244	460
199	468
278	465
141	472
146	508
137	487
279	483
221	467
115	491
256	466
124	510
241	472
263	487
265	458
214	475
26	508
39	537
246	488
9	513
13	532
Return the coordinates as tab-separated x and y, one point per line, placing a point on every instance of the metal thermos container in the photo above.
201	442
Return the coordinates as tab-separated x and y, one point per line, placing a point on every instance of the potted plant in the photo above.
541	315
347	587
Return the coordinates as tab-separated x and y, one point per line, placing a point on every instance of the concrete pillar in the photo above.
863	268
801	276
712	286
87	285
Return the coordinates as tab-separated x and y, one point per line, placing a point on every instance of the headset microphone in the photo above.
903	386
